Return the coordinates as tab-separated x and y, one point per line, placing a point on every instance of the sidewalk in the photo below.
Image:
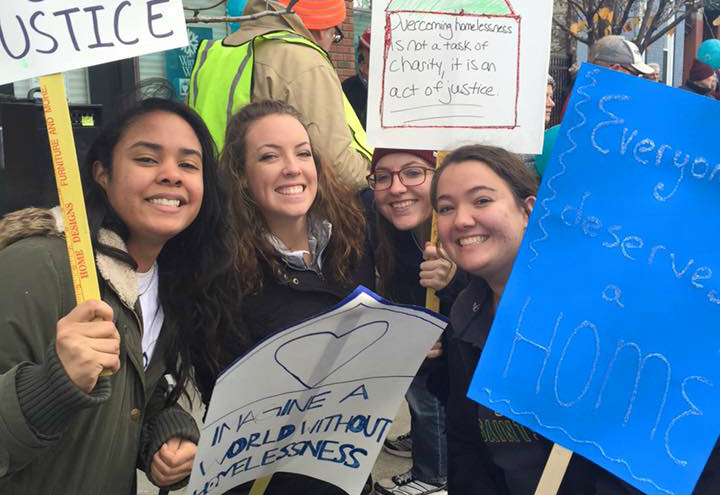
386	465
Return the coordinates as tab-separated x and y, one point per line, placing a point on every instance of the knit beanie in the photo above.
699	71
365	38
319	14
380	153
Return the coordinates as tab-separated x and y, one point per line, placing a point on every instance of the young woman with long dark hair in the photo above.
155	206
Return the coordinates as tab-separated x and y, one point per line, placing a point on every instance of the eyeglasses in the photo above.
410	176
338	36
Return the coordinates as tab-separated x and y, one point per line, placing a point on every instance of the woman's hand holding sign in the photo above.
173	461
87	342
437	270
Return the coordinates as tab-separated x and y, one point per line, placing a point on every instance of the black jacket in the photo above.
292	296
286	299
488	454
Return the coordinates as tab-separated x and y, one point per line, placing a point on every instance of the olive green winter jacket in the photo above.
54	438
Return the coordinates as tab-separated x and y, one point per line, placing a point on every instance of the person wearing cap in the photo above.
356	87
617	53
407	264
284	58
702	79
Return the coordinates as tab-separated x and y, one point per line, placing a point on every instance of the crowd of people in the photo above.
262	193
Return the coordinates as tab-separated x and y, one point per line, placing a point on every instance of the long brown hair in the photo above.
335	202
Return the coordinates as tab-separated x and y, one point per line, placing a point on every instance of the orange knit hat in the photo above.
319	14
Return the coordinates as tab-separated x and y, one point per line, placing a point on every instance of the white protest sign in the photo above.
316	399
39	37
445	73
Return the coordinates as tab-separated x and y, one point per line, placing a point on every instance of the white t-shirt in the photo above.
152	312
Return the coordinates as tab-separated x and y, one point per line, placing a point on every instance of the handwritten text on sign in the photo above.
606	340
451	70
39	37
451	73
317	399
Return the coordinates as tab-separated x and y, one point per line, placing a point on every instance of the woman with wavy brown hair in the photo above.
298	236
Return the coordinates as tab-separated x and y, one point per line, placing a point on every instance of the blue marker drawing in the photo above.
343	347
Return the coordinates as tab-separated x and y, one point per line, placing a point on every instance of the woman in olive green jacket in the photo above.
155	211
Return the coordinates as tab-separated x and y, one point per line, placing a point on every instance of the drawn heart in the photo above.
312	358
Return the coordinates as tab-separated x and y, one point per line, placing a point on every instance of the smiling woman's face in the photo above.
406	207
480	223
156	182
280	168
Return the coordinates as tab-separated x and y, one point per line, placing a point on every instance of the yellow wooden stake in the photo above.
554	471
431	300
69	187
260	485
67	178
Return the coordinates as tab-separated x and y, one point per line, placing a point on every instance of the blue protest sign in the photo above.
606	340
179	62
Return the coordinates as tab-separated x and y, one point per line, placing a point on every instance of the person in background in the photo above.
655	76
298	238
702	80
549	100
407	264
483	196
619	54
284	58
153	196
616	53
356	87
531	161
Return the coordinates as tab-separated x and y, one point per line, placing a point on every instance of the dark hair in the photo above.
388	283
522	181
334	202
194	290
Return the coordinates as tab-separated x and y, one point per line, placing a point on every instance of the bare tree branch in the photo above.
645	19
629	4
566	30
209	20
659	18
662	32
210	7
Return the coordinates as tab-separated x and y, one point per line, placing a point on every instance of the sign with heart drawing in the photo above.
316	399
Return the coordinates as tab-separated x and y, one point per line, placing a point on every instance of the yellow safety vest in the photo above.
221	84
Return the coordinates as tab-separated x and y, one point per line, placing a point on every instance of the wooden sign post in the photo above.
69	187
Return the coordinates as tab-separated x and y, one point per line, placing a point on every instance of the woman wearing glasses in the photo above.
407	265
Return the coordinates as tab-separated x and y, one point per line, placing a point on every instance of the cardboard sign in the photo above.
606	340
39	37
449	72
316	399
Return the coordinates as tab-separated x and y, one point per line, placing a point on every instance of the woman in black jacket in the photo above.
298	237
408	264
483	196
